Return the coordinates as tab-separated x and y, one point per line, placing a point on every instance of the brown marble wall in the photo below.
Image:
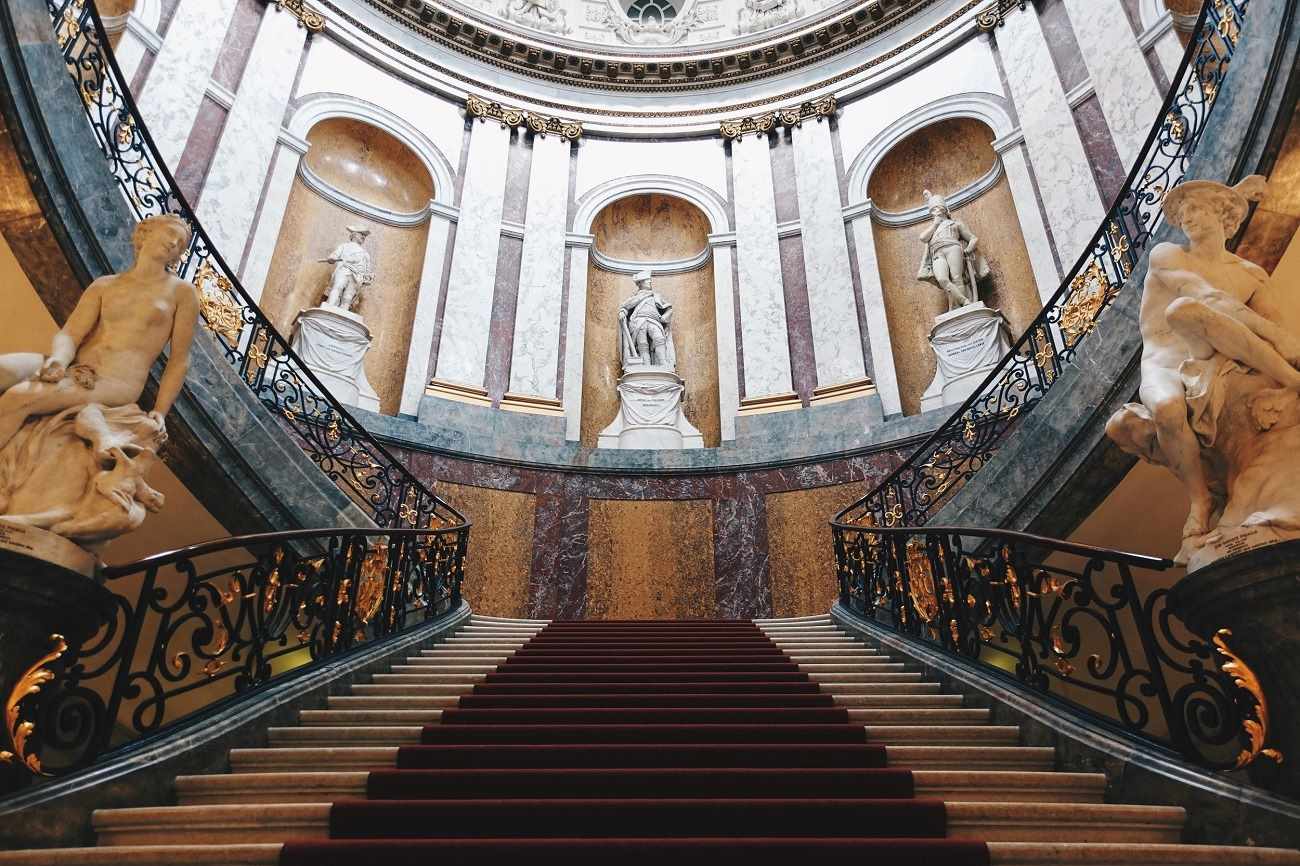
948	156
370	165
800	552
501	547
1277	217
648	228
650	560
239	43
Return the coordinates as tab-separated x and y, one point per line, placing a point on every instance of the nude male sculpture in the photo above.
104	351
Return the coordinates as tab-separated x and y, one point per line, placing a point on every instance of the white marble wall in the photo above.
180	73
139	39
426	314
1011	150
575	335
1074	206
462	349
702	160
762	299
275	200
1119	72
883	371
228	204
534	362
724	303
832	306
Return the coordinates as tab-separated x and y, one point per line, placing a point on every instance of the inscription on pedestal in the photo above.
39	544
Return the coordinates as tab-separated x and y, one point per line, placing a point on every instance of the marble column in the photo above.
883	372
534	362
471	284
575	334
228	203
763	332
426	309
180	73
1011	150
724	304
1128	95
275	201
832	306
1070	196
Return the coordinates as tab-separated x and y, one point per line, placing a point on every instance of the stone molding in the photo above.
596	199
665	266
963	196
334	195
791	116
540	124
1080	92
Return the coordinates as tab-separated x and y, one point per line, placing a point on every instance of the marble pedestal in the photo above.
1255	595
333	342
45	590
650	412
968	342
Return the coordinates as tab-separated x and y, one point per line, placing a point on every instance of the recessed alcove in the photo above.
651	229
358	172
947	158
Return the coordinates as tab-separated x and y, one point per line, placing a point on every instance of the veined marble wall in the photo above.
649	228
371	166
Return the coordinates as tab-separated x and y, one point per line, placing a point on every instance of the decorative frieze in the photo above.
307	16
540	124
762	124
996	12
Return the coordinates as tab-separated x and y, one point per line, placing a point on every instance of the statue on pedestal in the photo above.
646	327
951	262
74	446
1220	392
352	270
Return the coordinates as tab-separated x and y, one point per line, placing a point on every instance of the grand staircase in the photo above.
629	743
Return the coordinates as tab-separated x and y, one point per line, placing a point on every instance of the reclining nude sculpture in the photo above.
1220	391
74	444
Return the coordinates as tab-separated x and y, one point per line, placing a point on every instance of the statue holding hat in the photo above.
1220	390
352	269
646	327
951	262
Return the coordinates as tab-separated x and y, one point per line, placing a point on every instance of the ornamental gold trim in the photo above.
995	14
792	116
540	124
28	685
1254	725
307	16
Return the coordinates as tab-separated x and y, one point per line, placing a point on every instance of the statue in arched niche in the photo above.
646	327
951	261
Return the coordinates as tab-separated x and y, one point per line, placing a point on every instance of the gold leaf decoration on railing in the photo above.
221	313
370	589
29	684
1255	719
920	581
1089	292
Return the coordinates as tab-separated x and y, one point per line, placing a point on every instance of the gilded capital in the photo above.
540	124
307	16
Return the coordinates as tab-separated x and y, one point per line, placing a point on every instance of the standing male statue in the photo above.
352	269
951	262
645	327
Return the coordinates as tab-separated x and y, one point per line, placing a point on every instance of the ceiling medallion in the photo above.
762	124
540	124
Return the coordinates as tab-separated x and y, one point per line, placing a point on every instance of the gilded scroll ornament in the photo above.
29	684
540	124
222	314
762	124
995	13
307	16
1254	726
920	581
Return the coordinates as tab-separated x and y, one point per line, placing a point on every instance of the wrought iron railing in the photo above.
1068	621
928	479
199	628
344	450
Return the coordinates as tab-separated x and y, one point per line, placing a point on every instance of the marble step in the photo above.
317	787
789	620
812	654
888	687
1000	854
898	700
483	619
993	822
919	715
428	679
440	666
391	690
369	716
391	702
811	668
837	677
458	659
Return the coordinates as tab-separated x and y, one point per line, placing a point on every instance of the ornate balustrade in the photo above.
1068	621
928	479
199	628
353	459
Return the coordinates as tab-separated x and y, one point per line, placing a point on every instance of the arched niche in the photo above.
955	158
651	229
355	173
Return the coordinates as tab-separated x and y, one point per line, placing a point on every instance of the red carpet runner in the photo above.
697	741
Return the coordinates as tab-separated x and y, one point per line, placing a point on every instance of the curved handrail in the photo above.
195	630
913	492
1069	622
343	449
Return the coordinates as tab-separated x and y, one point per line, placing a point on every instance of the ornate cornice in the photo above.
593	66
306	15
996	13
540	124
762	124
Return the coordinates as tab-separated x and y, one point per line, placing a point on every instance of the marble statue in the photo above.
951	261
352	269
539	14
646	327
74	444
1220	390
